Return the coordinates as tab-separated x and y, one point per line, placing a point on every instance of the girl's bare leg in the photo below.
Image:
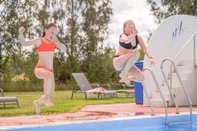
48	83
124	64
51	94
128	65
134	74
37	106
48	78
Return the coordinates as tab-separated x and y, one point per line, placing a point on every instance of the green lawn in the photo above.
62	103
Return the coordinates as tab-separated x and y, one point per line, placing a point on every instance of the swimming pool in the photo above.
149	123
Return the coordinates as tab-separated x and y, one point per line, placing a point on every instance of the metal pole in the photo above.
195	51
146	93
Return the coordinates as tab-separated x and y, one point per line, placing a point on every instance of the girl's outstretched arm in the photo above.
24	42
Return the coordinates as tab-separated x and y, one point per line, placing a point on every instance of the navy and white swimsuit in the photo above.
128	45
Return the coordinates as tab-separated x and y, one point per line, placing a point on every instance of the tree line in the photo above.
83	27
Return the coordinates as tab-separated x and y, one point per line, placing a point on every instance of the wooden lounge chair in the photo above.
8	100
84	86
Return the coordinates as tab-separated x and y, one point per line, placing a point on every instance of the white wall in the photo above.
167	41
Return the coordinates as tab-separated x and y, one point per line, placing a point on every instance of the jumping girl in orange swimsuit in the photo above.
44	68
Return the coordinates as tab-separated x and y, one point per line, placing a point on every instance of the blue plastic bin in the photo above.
138	86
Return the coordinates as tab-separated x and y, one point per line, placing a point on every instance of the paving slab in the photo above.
89	113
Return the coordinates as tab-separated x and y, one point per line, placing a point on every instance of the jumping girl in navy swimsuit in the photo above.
125	56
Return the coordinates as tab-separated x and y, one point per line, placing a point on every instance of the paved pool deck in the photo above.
89	113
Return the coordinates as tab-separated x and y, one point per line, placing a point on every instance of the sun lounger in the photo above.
84	86
8	100
127	92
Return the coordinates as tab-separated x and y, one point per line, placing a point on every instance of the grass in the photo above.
62	103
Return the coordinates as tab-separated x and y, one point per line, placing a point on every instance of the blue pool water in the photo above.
154	123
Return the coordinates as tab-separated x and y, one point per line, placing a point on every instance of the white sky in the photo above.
136	10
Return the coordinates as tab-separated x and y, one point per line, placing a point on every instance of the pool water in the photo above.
152	123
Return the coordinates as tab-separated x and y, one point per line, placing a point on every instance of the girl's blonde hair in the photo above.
125	23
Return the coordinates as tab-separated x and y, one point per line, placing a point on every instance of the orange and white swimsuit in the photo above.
44	47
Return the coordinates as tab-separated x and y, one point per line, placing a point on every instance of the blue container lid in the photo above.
139	63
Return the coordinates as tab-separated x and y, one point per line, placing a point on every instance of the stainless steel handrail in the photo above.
146	93
172	61
169	86
185	46
185	91
160	92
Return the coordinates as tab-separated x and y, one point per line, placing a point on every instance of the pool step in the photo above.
156	95
185	70
187	62
155	102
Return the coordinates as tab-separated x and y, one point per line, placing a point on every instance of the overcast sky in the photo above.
136	10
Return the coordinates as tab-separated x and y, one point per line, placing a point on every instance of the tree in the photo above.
83	26
88	28
172	7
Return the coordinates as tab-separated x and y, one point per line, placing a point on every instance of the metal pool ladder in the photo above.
160	92
146	93
185	91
